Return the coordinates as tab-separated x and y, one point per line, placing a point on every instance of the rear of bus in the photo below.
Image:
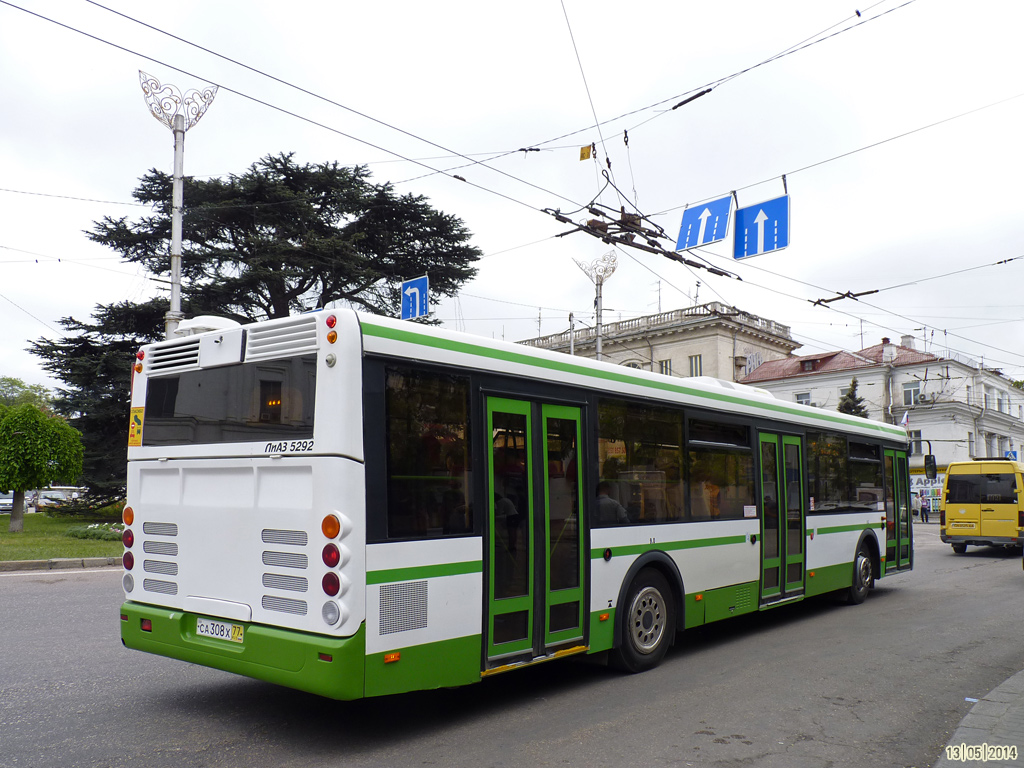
982	504
244	540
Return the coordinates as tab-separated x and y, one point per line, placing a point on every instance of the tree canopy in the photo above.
284	238
36	450
16	392
852	403
280	238
94	362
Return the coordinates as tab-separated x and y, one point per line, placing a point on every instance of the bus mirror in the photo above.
930	470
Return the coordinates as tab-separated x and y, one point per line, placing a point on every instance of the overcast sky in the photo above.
898	131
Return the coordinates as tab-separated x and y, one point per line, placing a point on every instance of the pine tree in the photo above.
852	403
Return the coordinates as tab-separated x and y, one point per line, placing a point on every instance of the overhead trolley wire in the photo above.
296	115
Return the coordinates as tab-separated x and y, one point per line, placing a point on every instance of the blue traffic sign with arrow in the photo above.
761	228
415	301
705	223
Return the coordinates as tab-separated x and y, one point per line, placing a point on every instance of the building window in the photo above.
807	365
970	445
911	393
843	392
804	398
665	367
634	364
915	441
696	368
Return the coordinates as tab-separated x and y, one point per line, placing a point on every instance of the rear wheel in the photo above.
960	548
648	623
863	577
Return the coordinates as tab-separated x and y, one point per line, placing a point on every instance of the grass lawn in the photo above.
44	538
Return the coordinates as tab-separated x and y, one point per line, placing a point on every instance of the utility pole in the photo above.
598	271
179	113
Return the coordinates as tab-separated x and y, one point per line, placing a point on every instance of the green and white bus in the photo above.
356	506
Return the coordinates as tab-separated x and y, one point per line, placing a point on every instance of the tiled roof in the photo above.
830	362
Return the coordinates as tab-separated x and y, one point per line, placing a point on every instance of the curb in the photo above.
58	564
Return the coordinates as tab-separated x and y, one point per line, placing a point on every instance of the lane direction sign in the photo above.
415	301
704	223
761	228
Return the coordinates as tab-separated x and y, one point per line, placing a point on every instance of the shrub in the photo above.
101	531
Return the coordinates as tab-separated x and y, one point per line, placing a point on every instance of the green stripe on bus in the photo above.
413	337
845	528
423	572
639	549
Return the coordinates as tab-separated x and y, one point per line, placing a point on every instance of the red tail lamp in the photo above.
128	538
332	556
331	321
331	583
128	560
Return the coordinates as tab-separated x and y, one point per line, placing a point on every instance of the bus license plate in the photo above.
961	525
220	630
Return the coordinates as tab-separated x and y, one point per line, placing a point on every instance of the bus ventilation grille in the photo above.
290	538
174	355
285	559
163	587
162	567
284	605
287	583
293	336
162	548
403	607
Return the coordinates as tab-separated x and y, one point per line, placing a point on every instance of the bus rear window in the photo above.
265	400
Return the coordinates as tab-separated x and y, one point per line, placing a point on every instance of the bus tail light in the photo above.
942	517
128	561
331	555
331	583
128	516
146	625
128	538
331	526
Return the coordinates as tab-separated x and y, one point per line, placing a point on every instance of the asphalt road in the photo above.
817	684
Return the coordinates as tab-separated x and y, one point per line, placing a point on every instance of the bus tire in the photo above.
648	623
960	548
863	576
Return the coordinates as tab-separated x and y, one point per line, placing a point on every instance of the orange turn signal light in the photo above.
390	658
331	526
128	516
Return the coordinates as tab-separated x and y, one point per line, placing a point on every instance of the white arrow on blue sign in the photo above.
703	224
415	299
761	228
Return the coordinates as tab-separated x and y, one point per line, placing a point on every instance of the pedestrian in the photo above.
925	504
915	504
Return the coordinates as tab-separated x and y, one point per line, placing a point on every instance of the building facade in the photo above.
954	408
711	339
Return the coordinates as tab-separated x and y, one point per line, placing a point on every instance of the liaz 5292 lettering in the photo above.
354	506
295	446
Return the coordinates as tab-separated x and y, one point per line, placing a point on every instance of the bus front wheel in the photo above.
648	625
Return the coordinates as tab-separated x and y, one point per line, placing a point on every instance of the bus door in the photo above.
535	601
897	511
782	518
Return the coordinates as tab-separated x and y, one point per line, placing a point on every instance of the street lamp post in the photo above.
598	271
179	113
